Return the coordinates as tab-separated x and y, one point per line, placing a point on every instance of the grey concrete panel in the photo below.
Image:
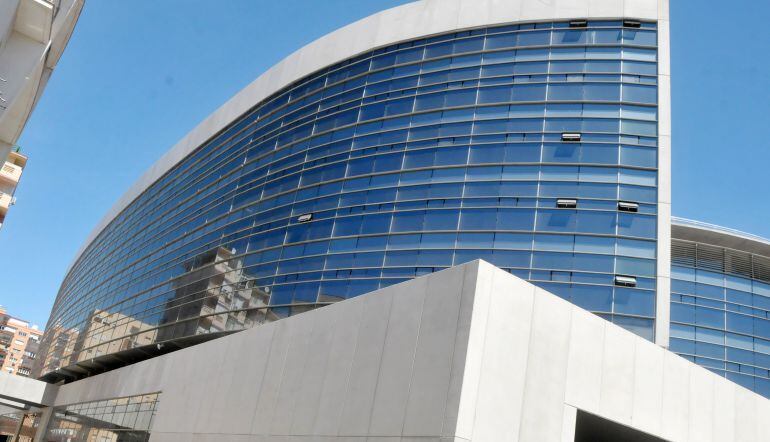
584	367
543	410
617	369
398	355
311	384
497	374
25	390
340	362
205	400
433	358
648	388
469	345
360	389
268	394
291	379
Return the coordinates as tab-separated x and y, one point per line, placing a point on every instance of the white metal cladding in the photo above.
710	247
410	21
663	272
697	231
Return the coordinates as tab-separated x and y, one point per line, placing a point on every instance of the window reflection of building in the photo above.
59	345
215	294
67	346
9	425
103	326
125	419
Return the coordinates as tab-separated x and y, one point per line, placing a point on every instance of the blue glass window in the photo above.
634	302
438	151
478	219
597	299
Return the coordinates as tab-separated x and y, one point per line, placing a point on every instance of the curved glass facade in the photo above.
396	163
720	311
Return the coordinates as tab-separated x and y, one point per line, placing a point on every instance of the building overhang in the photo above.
700	232
20	392
111	361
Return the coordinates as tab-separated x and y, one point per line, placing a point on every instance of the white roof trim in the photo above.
406	22
698	231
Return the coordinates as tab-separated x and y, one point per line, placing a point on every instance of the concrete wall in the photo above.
24	392
470	353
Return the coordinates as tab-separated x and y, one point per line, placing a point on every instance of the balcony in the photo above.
11	173
6	201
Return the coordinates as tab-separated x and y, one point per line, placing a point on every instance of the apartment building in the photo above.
33	35
19	342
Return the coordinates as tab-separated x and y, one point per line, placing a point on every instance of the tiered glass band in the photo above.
393	164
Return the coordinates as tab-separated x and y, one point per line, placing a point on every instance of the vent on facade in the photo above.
565	203
627	206
570	136
761	268
719	259
625	281
632	24
305	218
683	253
710	258
578	23
737	262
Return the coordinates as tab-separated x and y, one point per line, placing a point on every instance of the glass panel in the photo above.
443	152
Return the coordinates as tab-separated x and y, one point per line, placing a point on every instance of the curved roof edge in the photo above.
405	22
697	231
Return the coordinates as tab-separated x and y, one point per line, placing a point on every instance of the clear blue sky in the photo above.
138	75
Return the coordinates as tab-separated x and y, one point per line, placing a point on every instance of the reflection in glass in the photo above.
397	163
127	419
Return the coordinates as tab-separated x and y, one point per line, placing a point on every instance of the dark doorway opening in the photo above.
591	428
